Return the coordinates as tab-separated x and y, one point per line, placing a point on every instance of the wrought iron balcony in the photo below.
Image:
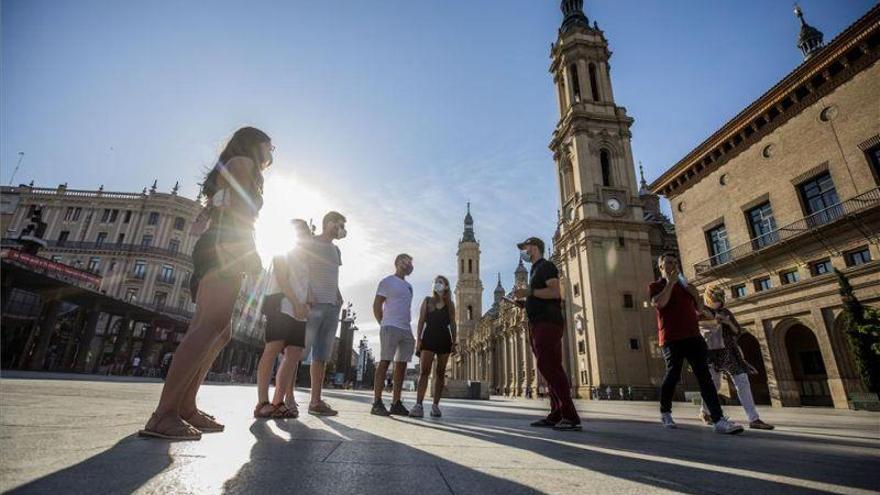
119	247
811	223
171	279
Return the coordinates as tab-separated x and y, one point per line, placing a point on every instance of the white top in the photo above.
298	278
398	295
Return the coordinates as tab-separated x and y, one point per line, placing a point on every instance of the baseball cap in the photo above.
532	241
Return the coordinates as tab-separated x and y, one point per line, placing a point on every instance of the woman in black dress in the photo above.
224	254
436	337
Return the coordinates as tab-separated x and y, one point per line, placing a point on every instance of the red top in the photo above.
678	319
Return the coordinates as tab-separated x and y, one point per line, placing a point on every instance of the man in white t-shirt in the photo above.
392	308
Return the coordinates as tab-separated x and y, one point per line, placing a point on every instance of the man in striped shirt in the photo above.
324	260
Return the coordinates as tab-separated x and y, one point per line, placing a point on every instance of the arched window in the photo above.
593	85
462	266
470	266
567	182
575	82
470	313
605	161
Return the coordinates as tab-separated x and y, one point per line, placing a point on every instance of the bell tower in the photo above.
602	241
468	296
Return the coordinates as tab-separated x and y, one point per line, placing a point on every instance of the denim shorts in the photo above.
321	330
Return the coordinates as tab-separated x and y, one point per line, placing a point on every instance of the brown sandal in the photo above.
258	411
179	430
205	423
286	412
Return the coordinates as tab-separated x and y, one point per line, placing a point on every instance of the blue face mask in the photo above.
524	255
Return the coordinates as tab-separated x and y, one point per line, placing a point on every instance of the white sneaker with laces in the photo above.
435	411
727	427
667	421
416	411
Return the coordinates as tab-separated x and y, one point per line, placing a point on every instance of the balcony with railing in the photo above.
813	223
166	279
119	248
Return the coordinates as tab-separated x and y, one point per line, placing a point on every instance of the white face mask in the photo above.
439	287
524	255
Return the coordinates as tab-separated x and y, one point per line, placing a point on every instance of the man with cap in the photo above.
543	303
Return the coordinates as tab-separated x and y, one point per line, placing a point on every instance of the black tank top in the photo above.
436	320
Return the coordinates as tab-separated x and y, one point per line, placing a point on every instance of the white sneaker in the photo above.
435	411
416	411
727	427
666	420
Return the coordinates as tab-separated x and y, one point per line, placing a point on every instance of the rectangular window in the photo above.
738	291
114	213
94	264
628	301
68	215
131	294
167	274
62	237
857	257
153	219
762	284
873	154
719	246
582	347
105	216
140	269
789	277
634	344
159	298
173	245
762	225
147	241
821	267
179	223
76	213
820	200
120	239
127	217
112	266
102	236
621	242
577	289
57	258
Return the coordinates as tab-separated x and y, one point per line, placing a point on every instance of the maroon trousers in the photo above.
546	340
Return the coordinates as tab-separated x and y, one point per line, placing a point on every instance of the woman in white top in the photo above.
286	313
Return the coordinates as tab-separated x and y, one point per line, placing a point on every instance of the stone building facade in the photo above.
610	230
140	246
777	198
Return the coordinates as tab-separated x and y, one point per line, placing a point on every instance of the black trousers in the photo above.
695	351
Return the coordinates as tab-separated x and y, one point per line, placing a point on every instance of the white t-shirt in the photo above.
298	278
398	296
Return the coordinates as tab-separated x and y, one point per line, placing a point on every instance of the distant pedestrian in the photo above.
392	308
436	338
678	304
543	302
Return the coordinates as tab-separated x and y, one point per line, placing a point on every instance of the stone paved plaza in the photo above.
75	434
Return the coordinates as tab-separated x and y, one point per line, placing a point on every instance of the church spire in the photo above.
573	15
810	39
643	185
468	235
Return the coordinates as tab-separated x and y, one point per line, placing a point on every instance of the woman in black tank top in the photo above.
436	338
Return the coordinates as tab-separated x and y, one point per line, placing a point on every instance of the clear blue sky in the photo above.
396	112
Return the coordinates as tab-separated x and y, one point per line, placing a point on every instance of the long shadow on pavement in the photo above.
122	468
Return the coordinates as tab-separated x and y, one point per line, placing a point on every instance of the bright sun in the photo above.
286	197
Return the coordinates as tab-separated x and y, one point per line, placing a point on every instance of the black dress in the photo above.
437	335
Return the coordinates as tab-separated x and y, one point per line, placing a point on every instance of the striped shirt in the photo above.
324	260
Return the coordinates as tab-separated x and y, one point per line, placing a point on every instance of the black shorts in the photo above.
281	326
438	341
205	257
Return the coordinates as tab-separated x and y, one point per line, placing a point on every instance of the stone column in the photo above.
823	331
48	319
86	337
780	380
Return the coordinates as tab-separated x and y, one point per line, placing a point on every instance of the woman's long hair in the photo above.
246	143
447	297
